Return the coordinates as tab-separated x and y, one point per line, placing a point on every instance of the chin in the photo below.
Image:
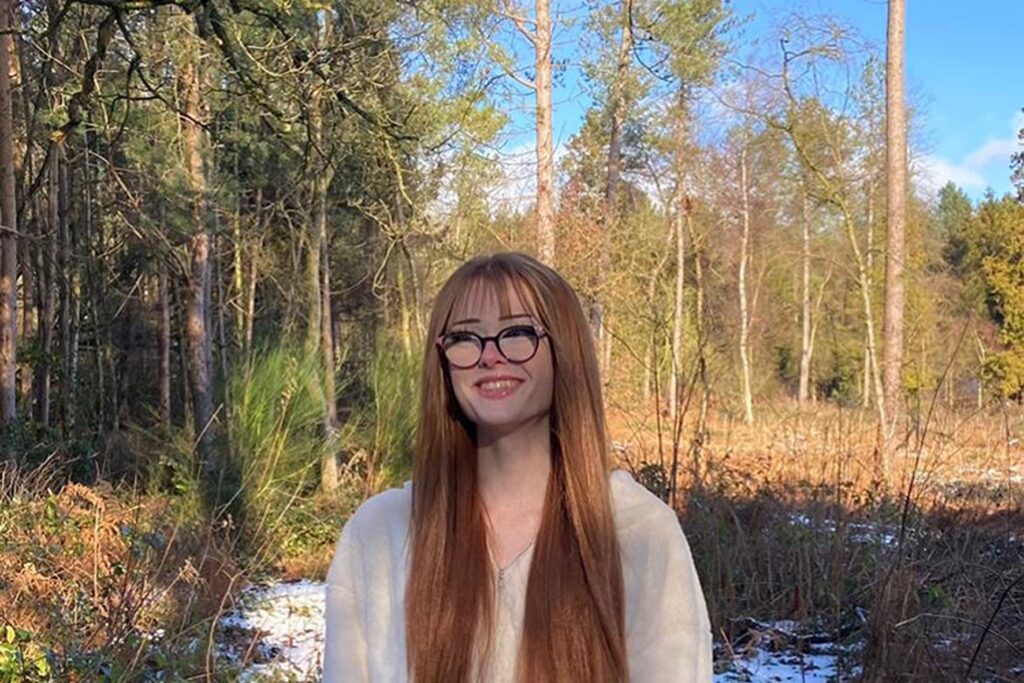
503	423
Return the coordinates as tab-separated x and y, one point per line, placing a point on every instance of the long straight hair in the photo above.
573	628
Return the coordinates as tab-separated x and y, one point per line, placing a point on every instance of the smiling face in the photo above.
496	394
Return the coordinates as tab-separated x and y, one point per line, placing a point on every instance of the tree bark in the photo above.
198	301
806	343
896	209
320	333
744	346
617	111
66	313
28	312
9	236
682	208
701	432
45	295
867	383
872	375
329	468
165	346
545	152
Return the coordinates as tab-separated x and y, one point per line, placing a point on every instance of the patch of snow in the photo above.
763	666
777	652
281	629
858	532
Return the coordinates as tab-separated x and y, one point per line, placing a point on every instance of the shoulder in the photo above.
661	581
636	509
648	529
383	515
374	535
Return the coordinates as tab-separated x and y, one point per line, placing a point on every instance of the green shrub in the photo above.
384	427
276	436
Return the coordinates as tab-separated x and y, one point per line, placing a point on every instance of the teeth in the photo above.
500	385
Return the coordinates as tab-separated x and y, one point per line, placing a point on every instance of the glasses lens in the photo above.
462	350
519	343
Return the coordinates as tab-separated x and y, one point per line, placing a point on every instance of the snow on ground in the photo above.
279	630
858	532
781	667
782	651
277	635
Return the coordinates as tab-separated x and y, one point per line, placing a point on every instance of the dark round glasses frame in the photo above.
481	343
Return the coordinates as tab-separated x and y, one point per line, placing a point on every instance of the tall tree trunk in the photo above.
868	387
617	110
248	247
748	401
9	236
651	356
863	265
329	468
320	338
198	301
28	311
545	152
165	346
701	432
64	292
46	280
77	237
806	345
682	208
896	186
321	322
314	305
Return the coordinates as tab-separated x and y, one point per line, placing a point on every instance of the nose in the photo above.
490	354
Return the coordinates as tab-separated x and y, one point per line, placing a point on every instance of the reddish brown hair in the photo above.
573	626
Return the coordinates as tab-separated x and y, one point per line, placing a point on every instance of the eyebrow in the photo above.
504	317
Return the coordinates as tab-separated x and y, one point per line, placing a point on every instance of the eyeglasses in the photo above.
517	344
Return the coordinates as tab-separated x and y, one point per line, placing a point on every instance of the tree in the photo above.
9	238
545	150
954	214
686	38
896	210
741	286
997	238
616	110
539	39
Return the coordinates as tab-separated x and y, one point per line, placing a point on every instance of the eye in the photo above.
520	331
458	337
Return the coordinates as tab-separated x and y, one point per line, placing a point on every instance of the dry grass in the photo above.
103	583
796	517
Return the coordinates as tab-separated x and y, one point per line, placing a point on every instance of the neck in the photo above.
513	467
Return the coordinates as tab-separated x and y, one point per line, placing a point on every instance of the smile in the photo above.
498	388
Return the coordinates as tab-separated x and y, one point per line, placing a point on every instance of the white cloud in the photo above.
976	170
995	149
937	171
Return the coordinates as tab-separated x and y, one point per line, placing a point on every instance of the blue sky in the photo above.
964	70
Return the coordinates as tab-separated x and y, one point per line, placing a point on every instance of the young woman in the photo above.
513	555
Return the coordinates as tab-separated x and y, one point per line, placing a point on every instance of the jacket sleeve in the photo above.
346	655
669	639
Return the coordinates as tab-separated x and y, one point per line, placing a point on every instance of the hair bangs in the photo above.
499	280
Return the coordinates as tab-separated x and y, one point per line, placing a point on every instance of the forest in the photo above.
223	225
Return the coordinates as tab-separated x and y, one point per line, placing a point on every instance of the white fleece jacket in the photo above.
668	636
